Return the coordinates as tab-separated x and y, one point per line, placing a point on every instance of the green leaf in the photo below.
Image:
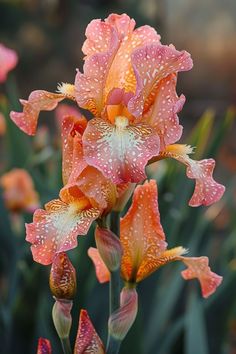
195	328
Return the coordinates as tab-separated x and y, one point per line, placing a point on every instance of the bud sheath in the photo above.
62	318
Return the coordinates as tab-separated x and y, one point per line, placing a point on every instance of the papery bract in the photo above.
18	191
87	340
8	61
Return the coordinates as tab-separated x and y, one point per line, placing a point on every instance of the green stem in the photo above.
65	343
113	345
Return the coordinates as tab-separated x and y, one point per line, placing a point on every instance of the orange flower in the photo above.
18	191
145	248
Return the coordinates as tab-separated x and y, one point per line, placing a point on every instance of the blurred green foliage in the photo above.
172	318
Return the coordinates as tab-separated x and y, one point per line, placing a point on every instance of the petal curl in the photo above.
38	101
207	191
8	61
44	346
87	339
142	236
153	63
64	110
119	152
56	228
73	162
102	272
163	113
198	267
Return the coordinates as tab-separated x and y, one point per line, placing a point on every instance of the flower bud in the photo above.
62	279
62	318
109	248
122	319
44	346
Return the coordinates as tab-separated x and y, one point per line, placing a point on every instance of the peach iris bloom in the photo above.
18	191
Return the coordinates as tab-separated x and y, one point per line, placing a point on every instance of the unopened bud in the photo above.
62	279
109	248
62	318
122	319
44	346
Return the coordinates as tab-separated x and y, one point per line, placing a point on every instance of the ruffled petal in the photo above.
102	272
73	162
44	346
56	228
120	152
100	190
8	61
64	110
207	191
87	339
130	39
108	47
163	113
38	101
197	267
153	63
142	236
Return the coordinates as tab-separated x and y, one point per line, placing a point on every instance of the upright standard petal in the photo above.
102	272
197	267
153	63
87	340
142	236
44	346
8	61
38	101
119	151
56	228
207	191
162	115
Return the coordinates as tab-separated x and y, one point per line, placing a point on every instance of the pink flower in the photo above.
8	61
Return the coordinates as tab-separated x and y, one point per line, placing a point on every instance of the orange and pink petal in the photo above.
207	191
198	267
102	272
56	228
120	151
38	101
142	236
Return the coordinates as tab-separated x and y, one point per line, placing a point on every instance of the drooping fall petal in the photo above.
87	340
207	191
62	278
153	63
18	191
38	101
56	228
119	151
44	346
102	273
197	267
163	113
8	61
142	236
